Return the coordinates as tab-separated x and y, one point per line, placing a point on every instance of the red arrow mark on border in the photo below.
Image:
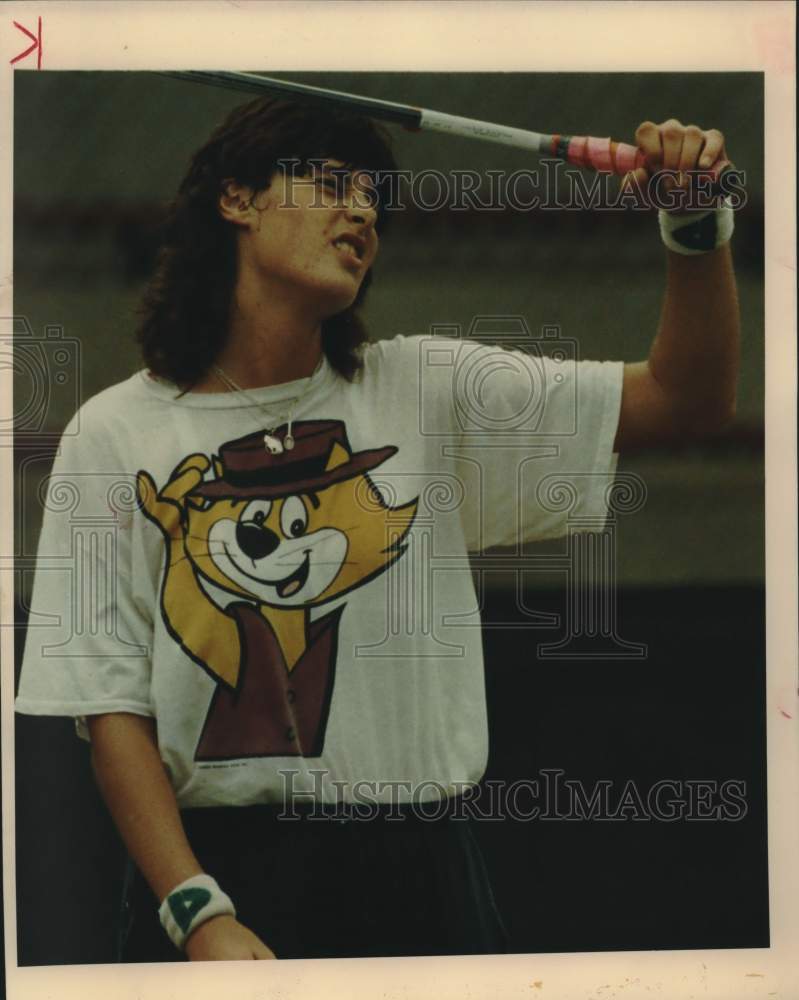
37	43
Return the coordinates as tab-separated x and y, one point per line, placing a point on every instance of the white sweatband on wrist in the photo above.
190	904
697	232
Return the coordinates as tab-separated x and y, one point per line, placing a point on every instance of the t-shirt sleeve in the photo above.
89	635
534	444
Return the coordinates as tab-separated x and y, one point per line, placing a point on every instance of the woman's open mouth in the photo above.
351	248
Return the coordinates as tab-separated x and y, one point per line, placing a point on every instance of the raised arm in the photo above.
139	796
687	385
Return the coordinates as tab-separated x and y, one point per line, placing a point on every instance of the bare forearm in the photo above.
136	789
695	355
686	388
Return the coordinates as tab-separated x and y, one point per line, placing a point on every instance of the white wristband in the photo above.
190	904
697	232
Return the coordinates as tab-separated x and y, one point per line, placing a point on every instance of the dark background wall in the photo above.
97	156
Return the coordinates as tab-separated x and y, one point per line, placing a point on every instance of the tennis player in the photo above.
283	687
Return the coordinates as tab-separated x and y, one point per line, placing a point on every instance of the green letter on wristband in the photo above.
699	235
186	904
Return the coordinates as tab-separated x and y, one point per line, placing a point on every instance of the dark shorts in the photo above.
326	888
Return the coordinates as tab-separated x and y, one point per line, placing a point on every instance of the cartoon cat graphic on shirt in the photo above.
282	553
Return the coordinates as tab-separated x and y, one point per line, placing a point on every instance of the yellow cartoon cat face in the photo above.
298	550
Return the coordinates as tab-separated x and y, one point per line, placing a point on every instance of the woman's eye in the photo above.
333	188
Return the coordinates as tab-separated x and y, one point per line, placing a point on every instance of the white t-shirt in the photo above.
319	616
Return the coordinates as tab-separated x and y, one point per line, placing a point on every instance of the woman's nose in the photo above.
361	208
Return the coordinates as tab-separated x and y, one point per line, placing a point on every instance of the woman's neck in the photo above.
262	357
268	343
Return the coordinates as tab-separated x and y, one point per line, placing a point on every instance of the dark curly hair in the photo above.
185	308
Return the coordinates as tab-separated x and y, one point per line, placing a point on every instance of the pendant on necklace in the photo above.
273	445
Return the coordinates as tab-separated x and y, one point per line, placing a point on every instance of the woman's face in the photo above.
312	235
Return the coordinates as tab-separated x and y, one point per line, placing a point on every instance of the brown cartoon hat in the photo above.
249	470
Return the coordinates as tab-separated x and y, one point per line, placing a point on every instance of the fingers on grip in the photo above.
672	134
674	146
714	149
647	137
692	143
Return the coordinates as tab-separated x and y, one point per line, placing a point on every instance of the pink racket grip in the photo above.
576	151
627	158
620	157
604	154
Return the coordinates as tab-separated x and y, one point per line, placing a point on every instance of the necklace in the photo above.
272	444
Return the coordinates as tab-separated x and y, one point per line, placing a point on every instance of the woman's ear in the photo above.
235	202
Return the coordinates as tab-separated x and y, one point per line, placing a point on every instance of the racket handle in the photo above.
612	157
